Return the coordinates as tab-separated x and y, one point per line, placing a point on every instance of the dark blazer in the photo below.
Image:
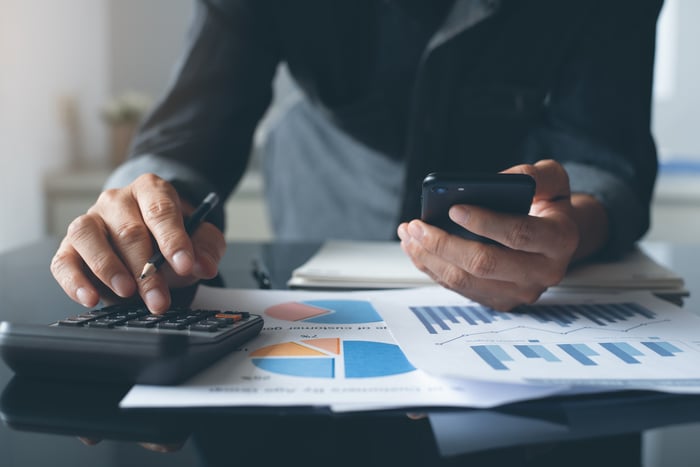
495	84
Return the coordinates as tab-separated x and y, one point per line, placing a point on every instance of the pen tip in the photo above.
148	269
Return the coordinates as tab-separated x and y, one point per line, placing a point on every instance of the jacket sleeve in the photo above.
597	120
199	135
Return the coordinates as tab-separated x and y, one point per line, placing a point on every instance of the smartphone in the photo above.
508	193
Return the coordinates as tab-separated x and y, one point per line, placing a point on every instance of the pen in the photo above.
261	275
191	225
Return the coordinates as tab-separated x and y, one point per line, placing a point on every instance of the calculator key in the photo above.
107	322
223	322
172	325
101	323
152	319
138	323
229	316
72	322
217	322
98	313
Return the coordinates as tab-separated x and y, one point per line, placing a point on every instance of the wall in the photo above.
53	76
677	97
145	39
60	60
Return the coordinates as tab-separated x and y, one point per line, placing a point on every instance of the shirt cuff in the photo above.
189	184
628	220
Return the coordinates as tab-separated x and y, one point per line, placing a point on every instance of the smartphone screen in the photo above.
508	193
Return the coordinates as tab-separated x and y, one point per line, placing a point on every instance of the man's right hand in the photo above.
106	248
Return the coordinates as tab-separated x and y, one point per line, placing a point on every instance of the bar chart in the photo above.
504	357
613	339
437	319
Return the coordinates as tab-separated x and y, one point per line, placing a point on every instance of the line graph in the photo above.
552	331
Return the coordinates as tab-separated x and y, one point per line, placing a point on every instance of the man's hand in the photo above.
538	247
105	250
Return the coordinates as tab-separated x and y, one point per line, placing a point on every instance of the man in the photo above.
391	90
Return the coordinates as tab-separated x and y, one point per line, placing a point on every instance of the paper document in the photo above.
379	265
359	264
622	340
430	347
320	349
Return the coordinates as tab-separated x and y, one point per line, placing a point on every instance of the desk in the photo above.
295	436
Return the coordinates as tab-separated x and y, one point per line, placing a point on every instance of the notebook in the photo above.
378	265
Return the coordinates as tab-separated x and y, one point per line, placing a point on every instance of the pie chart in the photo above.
332	358
326	311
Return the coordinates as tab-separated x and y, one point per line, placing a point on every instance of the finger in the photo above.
132	241
161	211
68	269
551	180
518	232
155	293
501	294
209	248
479	259
88	236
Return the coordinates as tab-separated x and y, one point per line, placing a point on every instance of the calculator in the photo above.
126	344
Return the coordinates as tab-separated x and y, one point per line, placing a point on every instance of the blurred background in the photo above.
76	74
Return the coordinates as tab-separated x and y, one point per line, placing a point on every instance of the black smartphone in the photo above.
508	193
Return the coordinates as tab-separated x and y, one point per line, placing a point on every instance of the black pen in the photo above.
191	225
261	275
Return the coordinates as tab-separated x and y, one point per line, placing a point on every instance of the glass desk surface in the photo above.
42	419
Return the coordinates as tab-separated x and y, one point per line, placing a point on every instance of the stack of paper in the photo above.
430	347
359	265
379	265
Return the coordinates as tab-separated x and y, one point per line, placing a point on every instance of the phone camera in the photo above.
439	190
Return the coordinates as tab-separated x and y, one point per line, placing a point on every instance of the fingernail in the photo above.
155	300
459	214
415	230
182	261
84	297
122	285
401	232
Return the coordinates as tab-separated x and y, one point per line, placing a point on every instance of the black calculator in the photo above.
126	344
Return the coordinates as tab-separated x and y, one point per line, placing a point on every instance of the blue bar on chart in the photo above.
601	314
435	318
664	349
537	351
496	356
580	352
493	355
623	351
